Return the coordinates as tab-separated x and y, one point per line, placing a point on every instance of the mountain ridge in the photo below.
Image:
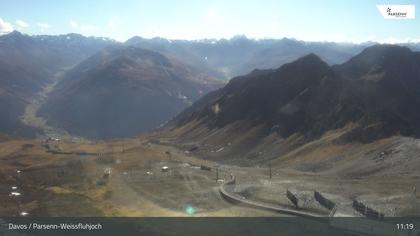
123	91
300	102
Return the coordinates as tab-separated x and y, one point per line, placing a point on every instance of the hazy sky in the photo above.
312	20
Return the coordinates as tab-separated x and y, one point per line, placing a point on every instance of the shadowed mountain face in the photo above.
375	94
122	91
29	63
385	88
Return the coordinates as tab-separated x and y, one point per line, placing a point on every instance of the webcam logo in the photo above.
397	11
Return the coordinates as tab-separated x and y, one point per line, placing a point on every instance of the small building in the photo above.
107	173
203	167
165	169
52	139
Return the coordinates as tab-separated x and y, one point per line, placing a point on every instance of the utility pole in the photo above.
168	153
217	172
269	167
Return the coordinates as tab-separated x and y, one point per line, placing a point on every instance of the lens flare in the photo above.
190	210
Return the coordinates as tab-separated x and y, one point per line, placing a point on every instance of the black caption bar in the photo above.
230	226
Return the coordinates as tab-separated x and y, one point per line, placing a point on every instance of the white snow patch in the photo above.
24	213
15	194
220	149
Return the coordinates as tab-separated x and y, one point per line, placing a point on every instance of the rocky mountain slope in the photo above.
267	114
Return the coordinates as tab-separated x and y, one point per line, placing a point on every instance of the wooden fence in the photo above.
367	211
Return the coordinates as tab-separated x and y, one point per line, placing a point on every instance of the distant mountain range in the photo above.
241	55
371	96
107	89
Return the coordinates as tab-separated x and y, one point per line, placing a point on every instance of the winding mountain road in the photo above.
227	191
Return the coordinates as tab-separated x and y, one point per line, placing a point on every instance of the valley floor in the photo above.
31	118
